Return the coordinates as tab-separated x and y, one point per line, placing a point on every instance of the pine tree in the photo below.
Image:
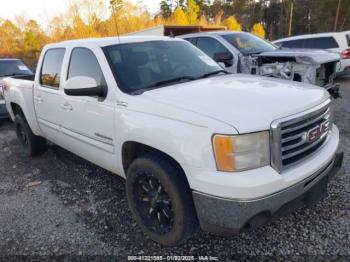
165	9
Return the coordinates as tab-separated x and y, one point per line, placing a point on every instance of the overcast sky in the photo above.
44	10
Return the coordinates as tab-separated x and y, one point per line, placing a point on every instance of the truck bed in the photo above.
20	92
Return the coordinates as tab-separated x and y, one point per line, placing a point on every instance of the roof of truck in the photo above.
106	41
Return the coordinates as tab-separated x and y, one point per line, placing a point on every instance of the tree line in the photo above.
24	38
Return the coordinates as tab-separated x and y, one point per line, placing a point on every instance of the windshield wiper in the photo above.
213	73
162	83
15	74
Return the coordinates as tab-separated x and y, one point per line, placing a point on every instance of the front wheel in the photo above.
32	144
160	200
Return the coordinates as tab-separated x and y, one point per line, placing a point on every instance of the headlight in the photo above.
241	152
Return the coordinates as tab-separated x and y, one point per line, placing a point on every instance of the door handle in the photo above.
66	107
39	99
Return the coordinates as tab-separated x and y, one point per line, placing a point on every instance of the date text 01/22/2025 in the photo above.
172	258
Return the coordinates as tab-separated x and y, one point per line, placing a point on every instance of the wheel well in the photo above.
16	109
132	150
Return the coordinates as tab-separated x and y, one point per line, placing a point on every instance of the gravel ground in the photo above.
61	205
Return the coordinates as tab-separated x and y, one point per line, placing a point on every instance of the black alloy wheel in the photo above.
154	203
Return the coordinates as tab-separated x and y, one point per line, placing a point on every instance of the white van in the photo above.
337	42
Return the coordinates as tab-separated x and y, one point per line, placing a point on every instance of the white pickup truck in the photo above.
196	146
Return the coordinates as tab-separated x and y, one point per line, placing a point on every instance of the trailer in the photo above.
176	30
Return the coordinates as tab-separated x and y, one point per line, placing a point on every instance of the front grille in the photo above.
295	138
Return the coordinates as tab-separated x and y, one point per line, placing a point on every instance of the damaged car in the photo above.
242	52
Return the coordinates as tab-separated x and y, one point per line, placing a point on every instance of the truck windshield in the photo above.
13	68
248	44
139	67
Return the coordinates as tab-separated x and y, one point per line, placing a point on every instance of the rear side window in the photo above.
83	62
348	38
192	40
312	43
293	44
50	75
321	43
210	46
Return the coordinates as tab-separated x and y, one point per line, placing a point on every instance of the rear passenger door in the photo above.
88	122
48	94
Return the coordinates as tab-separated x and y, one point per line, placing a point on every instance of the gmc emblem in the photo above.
317	132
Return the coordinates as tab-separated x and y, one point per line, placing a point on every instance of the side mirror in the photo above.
84	86
225	58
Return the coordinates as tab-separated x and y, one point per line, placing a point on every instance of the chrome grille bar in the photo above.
288	130
300	143
286	156
291	136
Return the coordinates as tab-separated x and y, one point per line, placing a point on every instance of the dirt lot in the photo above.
59	204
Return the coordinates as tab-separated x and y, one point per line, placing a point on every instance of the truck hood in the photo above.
305	56
247	103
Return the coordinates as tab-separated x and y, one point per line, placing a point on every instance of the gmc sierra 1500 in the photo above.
196	145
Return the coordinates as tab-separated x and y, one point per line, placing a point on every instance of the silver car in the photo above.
242	52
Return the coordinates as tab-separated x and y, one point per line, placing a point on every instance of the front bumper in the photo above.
226	216
3	111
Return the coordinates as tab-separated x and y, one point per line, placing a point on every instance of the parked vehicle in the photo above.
10	67
338	42
242	52
196	145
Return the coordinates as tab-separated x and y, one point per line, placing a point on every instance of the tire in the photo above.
32	144
160	200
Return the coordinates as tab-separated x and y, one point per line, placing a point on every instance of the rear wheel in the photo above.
160	200
32	144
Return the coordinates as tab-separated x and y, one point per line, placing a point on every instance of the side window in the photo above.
50	75
348	38
293	44
210	46
83	62
192	40
321	43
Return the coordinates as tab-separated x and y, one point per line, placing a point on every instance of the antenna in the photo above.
116	25
114	11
